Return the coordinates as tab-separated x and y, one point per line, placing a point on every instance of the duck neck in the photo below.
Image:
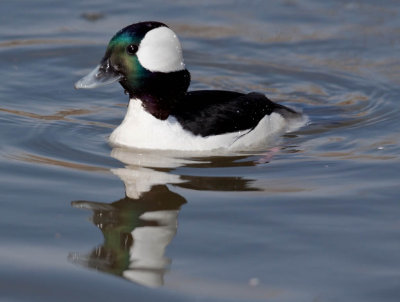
158	91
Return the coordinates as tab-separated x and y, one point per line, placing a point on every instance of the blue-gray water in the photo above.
314	218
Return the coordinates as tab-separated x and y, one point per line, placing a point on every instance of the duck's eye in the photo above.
132	49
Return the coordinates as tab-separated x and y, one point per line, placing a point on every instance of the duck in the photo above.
146	59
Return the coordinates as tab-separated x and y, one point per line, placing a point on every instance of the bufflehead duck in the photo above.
146	59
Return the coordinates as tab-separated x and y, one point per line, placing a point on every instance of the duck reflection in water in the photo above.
138	228
136	233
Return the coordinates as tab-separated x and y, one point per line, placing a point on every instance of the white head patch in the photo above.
161	51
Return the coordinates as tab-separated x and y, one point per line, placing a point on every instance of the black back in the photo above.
213	112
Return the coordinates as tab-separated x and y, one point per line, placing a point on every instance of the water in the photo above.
313	218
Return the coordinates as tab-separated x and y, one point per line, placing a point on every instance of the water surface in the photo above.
315	217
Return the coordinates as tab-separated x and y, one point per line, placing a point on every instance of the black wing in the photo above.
212	112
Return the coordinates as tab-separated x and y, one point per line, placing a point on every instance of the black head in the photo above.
146	58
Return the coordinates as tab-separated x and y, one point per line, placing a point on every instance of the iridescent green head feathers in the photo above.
135	56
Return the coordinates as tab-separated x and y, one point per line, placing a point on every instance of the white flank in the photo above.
140	129
160	50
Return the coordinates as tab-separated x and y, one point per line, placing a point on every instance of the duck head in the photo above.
146	59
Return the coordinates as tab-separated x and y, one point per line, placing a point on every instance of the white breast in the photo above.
140	129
